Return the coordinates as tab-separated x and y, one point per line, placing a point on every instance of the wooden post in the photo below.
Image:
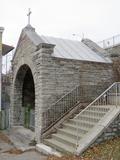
1	31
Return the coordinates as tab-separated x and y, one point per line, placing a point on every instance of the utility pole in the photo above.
1	31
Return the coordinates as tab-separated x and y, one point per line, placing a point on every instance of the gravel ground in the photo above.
9	152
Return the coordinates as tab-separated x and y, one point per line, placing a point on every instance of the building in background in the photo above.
4	49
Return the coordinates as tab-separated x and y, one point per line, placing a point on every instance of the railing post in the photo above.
113	41
77	136
104	44
116	95
9	118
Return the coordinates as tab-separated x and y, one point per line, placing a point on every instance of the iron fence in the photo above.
61	107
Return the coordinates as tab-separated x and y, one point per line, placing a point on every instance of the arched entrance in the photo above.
24	98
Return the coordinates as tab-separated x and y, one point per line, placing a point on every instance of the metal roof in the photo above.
68	49
77	50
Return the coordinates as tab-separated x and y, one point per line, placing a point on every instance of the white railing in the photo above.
110	96
110	42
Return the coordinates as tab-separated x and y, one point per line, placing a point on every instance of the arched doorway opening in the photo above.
24	98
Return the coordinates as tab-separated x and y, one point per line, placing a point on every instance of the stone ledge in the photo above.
42	148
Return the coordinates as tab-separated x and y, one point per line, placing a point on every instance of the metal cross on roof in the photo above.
29	13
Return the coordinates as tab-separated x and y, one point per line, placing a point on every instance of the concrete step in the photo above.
71	133
86	121
71	129
82	123
99	108
76	127
94	113
65	139
64	148
88	118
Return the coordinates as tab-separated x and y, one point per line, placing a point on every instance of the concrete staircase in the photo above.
79	132
65	140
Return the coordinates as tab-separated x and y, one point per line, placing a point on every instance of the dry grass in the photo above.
109	150
14	151
4	138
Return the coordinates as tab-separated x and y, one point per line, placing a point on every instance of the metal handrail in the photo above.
58	109
115	85
63	97
97	98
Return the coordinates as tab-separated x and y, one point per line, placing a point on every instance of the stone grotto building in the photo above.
45	69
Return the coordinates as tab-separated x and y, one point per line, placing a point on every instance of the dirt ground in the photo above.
9	152
108	150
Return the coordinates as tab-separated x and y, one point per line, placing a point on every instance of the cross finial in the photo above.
29	13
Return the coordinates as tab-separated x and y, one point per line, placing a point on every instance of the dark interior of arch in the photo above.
28	90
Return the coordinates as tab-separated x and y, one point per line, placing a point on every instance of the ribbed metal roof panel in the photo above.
74	50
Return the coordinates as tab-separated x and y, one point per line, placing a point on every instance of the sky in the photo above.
96	19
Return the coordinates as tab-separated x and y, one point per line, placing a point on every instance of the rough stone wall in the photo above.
116	67
114	54
20	59
25	56
62	75
114	50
